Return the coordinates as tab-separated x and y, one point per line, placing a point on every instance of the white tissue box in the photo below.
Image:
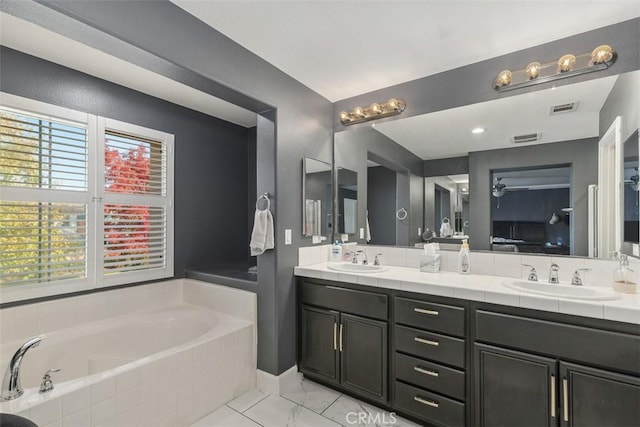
430	263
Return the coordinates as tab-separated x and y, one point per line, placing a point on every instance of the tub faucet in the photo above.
11	388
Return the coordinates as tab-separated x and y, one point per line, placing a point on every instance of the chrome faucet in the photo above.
553	274
376	260
11	388
576	280
365	261
533	275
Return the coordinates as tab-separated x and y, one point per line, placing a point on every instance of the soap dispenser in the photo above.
623	278
336	252
464	263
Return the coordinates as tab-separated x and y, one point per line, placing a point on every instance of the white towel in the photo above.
262	235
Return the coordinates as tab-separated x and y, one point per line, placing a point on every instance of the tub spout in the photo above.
11	387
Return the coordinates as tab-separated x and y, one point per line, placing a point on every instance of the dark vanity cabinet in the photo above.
343	338
539	386
595	397
451	362
430	360
515	389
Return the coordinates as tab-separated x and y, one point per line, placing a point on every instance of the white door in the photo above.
609	216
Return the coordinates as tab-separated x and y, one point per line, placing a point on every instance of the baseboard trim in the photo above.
271	384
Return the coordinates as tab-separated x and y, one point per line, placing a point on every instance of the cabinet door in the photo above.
514	389
363	359
592	397
319	343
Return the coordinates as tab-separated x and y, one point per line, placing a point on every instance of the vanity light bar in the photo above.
374	111
568	65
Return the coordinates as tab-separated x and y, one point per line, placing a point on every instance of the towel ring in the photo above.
402	214
263	196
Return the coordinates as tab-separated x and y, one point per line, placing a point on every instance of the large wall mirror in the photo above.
539	149
317	199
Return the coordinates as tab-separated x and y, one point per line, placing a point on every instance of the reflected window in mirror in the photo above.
531	210
347	201
447	207
631	195
317	198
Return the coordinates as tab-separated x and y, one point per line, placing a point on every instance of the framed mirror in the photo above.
317	197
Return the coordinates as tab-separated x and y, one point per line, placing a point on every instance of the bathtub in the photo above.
162	354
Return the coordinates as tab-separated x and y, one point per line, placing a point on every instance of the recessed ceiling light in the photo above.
478	130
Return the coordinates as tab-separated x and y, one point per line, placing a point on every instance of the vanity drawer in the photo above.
431	316
430	375
609	349
428	406
428	345
367	304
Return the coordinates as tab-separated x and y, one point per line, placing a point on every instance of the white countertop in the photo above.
478	287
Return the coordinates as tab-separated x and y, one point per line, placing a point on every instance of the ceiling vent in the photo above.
563	108
530	137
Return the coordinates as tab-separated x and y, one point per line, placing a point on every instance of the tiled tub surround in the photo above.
486	286
151	355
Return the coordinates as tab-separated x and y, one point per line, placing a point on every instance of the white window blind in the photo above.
43	210
42	153
85	201
136	199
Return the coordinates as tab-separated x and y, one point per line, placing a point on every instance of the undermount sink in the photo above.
588	293
349	267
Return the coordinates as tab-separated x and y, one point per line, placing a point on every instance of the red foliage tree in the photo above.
126	228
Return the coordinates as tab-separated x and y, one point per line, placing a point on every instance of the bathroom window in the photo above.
85	201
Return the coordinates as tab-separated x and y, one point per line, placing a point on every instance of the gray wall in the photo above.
210	154
381	204
354	148
448	166
294	122
582	154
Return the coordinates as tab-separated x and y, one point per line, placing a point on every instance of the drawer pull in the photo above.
425	371
426	401
424	311
424	341
565	399
553	396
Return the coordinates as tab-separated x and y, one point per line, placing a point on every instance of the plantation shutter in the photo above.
136	202
43	194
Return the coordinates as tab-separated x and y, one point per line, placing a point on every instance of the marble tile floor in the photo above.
302	403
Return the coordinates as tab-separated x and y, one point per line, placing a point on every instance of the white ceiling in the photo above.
37	41
345	48
447	133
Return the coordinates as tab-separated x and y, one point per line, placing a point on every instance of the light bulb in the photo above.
503	79
478	130
358	112
375	108
344	116
602	54
533	70
393	103
565	63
